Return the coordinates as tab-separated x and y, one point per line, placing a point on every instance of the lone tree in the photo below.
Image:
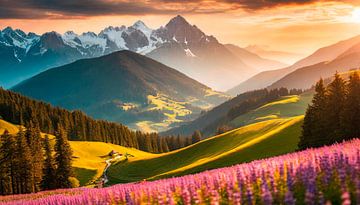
63	159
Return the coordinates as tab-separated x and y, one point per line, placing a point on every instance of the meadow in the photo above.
244	144
314	176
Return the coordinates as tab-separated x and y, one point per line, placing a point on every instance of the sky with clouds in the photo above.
299	26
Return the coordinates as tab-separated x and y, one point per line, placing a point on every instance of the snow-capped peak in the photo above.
69	35
139	25
91	34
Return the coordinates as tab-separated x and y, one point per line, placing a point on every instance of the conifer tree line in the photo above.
18	109
27	162
334	114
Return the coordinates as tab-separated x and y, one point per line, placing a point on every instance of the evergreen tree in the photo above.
350	119
196	137
63	159
336	93
49	172
33	137
23	163
314	123
7	166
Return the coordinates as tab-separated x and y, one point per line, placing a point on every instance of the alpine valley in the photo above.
265	113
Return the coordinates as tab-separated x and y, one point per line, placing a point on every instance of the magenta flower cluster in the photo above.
327	175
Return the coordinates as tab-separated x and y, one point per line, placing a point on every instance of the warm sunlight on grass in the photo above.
88	157
243	144
283	100
288	106
92	155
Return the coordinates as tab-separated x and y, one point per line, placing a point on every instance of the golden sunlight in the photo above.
355	15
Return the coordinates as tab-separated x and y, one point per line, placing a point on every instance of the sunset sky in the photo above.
299	26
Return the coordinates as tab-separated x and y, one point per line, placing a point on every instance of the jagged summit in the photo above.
139	23
178	20
7	29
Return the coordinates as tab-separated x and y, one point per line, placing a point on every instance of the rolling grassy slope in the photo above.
288	106
88	157
255	141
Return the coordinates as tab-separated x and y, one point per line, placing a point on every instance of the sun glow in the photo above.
355	15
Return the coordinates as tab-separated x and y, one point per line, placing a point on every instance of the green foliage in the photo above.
351	114
49	172
334	114
63	159
7	164
16	109
34	139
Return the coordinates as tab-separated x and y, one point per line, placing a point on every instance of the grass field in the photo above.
288	106
88	157
255	141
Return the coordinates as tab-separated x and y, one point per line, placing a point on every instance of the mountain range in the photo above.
266	52
341	56
178	44
123	87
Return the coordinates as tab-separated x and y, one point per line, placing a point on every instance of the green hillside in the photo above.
255	141
287	106
88	157
123	87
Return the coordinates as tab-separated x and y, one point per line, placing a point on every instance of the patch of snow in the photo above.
86	40
185	41
139	25
16	56
69	37
114	35
5	43
189	53
33	41
153	44
174	39
91	39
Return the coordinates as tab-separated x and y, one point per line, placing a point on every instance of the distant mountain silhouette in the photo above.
322	55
